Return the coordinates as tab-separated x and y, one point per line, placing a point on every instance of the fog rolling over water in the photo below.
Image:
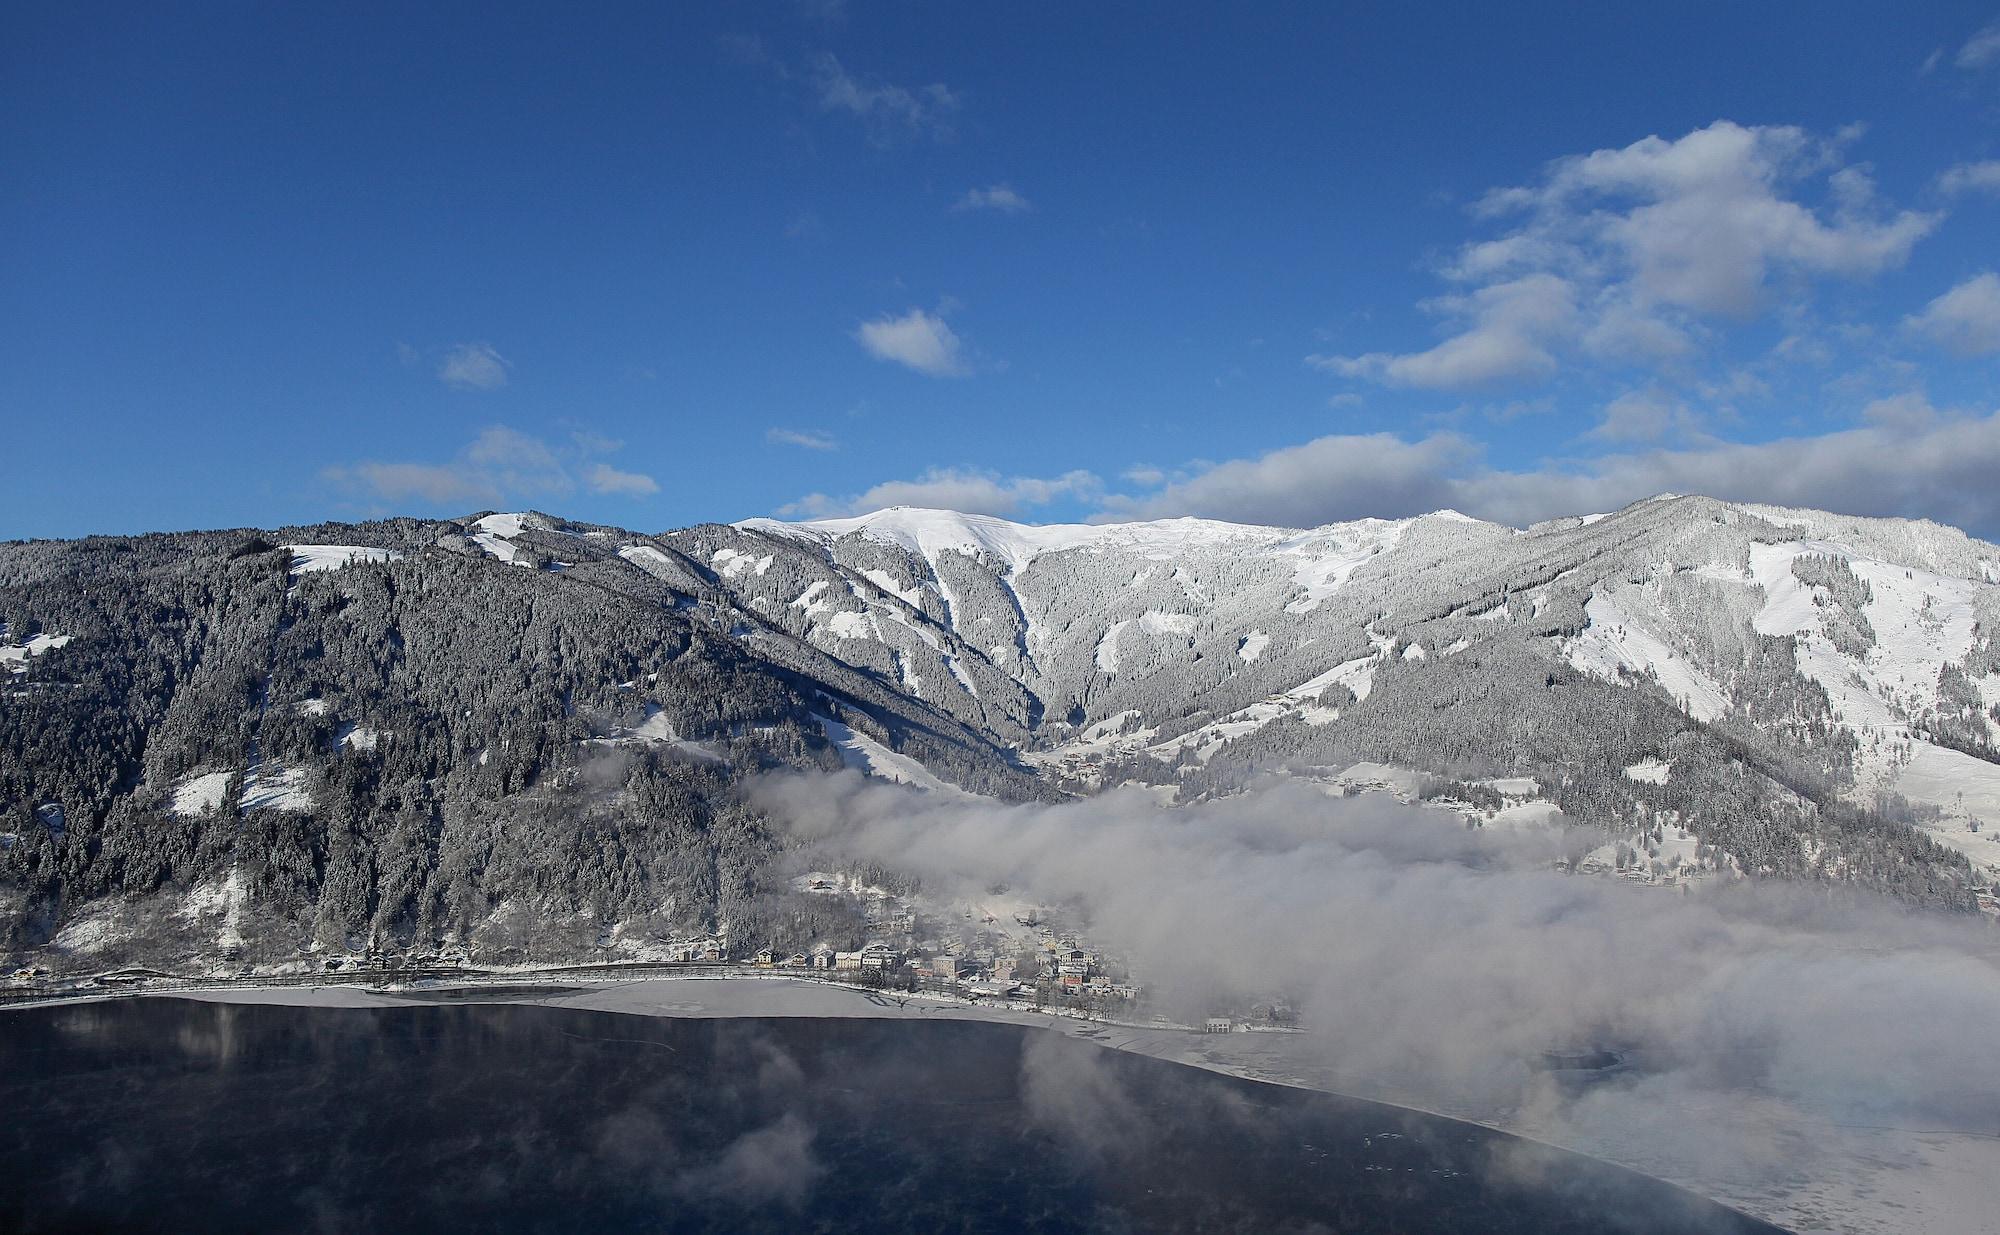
173	1115
1432	962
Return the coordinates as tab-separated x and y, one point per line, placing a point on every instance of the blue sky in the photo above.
661	264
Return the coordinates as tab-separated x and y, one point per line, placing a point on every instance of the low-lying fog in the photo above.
1434	961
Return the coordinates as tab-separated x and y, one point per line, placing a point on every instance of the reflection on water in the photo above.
173	1115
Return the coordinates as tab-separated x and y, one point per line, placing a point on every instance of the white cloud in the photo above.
807	439
1511	325
474	366
1966	319
1981	49
1647	415
1619	255
1906	459
603	478
890	112
499	467
440	484
1001	197
916	340
1982	177
974	492
1327	480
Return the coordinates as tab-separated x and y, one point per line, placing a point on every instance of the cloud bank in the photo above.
1966	319
499	467
1918	463
974	492
1905	459
1433	962
1621	255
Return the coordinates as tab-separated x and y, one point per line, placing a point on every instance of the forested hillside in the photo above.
350	751
524	738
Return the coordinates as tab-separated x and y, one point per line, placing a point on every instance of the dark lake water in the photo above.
174	1115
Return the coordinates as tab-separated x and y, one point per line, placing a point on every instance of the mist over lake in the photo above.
174	1115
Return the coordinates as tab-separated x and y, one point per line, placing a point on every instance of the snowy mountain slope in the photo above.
1828	644
402	728
1088	620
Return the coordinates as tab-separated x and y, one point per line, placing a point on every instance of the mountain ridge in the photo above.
420	730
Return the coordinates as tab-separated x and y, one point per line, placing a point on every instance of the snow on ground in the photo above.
271	786
656	728
1301	702
504	526
640	555
958	672
1968	791
1788	601
932	533
1528	815
1253	645
1384	777
1921	621
1115	733
851	625
1209	738
902	619
731	564
309	558
1356	675
1330	556
15	657
496	533
1650	772
1155	622
809	600
1107	648
500	547
88	932
352	736
866	755
205	899
1613	641
1513	786
200	793
911	596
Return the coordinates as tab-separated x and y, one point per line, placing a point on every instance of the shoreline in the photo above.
1870	1181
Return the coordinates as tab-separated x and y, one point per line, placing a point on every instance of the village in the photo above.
998	950
971	951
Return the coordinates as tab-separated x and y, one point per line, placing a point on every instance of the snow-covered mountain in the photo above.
1862	647
414	731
